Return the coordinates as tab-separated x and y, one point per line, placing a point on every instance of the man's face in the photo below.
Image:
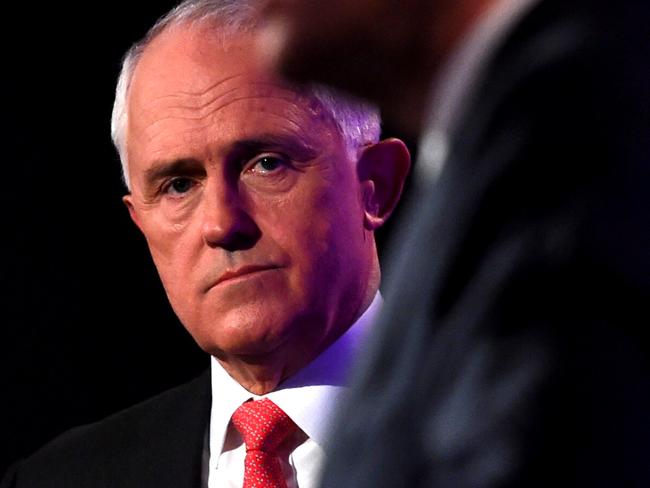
248	198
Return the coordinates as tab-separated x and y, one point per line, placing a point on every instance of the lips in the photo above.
243	271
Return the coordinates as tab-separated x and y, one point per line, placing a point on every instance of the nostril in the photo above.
237	231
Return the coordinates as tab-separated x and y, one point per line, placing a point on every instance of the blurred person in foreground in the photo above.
258	201
512	347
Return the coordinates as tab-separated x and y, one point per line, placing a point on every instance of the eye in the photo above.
178	186
266	164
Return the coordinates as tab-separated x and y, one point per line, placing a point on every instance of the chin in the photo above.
240	337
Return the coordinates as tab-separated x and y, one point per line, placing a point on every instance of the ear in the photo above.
382	170
128	201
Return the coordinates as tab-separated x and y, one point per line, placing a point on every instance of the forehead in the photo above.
189	58
188	84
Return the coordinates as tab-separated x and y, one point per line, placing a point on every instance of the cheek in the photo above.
318	232
305	215
167	244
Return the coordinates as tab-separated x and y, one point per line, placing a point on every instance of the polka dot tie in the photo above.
263	426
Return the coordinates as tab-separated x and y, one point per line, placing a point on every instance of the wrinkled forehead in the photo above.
193	66
193	96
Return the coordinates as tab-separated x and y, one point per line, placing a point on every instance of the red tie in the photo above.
263	426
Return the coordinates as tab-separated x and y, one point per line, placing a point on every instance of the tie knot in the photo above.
263	425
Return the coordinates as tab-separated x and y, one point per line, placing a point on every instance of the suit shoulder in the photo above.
129	439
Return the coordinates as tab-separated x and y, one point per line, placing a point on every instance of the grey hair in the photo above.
358	122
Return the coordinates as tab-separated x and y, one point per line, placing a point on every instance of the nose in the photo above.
226	222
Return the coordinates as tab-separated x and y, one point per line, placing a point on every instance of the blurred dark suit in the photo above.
511	351
158	443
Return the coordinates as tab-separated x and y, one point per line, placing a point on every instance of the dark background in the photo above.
86	329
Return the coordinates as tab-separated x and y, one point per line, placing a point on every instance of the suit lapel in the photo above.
174	440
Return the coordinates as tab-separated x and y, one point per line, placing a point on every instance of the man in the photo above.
511	350
258	201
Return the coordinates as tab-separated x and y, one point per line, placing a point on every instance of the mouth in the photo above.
243	272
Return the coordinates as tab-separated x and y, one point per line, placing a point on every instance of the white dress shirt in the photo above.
308	397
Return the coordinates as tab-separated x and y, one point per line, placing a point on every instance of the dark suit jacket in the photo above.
511	350
158	443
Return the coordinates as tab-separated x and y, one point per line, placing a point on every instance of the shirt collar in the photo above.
308	397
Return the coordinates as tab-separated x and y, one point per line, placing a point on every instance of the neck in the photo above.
262	373
258	377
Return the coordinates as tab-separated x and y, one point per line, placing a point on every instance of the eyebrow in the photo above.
293	146
163	169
